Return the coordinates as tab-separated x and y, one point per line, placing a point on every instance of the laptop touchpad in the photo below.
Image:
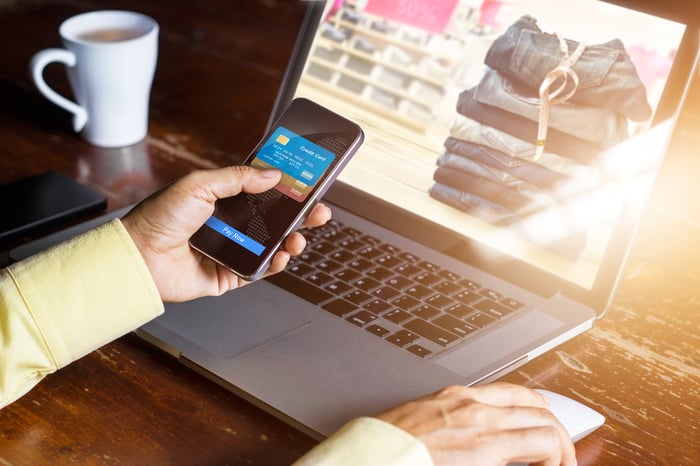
232	324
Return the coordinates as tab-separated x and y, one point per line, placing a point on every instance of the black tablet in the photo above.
44	201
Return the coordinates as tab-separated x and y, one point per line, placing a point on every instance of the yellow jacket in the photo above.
66	302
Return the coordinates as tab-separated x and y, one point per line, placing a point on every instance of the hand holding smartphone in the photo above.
310	145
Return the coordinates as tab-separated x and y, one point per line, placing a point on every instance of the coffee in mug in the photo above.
110	35
110	58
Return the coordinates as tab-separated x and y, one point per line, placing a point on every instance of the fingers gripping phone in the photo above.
310	145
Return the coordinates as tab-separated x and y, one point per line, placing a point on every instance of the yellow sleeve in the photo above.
368	441
61	304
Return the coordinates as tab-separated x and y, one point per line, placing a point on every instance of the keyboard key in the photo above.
479	319
380	273
512	303
432	332
397	316
446	287
469	284
370	239
496	310
318	278
348	275
377	306
402	338
299	287
390	249
408	257
489	293
357	296
323	247
309	257
360	264
405	302
454	325
425	311
427	278
386	292
388	260
339	307
338	287
300	269
466	296
341	256
450	276
351	244
418	291
361	318
367	284
333	236
369	252
459	310
419	351
429	266
399	282
377	330
350	231
407	270
330	225
440	301
329	266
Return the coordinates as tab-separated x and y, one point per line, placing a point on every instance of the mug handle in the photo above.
38	63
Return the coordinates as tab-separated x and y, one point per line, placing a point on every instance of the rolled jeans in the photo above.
598	125
607	76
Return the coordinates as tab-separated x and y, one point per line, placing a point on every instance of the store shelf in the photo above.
390	71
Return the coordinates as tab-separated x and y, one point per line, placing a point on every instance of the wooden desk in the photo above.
127	403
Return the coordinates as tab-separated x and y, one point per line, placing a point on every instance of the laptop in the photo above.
412	287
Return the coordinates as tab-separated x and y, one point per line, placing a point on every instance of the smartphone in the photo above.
40	202
310	145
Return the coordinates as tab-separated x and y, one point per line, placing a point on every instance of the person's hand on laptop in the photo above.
162	225
491	424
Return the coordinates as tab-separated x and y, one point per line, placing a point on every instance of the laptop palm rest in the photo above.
228	325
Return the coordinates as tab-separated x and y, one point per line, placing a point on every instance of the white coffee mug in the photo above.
111	58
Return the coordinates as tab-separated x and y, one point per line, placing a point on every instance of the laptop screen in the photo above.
509	124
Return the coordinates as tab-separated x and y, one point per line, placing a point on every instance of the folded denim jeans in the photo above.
518	168
558	142
471	204
538	196
607	75
468	129
493	191
461	162
598	125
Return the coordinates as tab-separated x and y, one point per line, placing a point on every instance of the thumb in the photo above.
229	181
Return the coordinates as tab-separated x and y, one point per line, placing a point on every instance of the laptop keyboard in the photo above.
390	293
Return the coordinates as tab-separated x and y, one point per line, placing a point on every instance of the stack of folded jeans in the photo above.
491	167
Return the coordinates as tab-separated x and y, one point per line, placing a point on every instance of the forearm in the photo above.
61	304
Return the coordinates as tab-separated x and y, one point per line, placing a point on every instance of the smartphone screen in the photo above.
309	145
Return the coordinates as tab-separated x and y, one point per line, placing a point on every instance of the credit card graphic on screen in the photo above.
301	162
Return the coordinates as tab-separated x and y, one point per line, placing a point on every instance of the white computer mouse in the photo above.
578	419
